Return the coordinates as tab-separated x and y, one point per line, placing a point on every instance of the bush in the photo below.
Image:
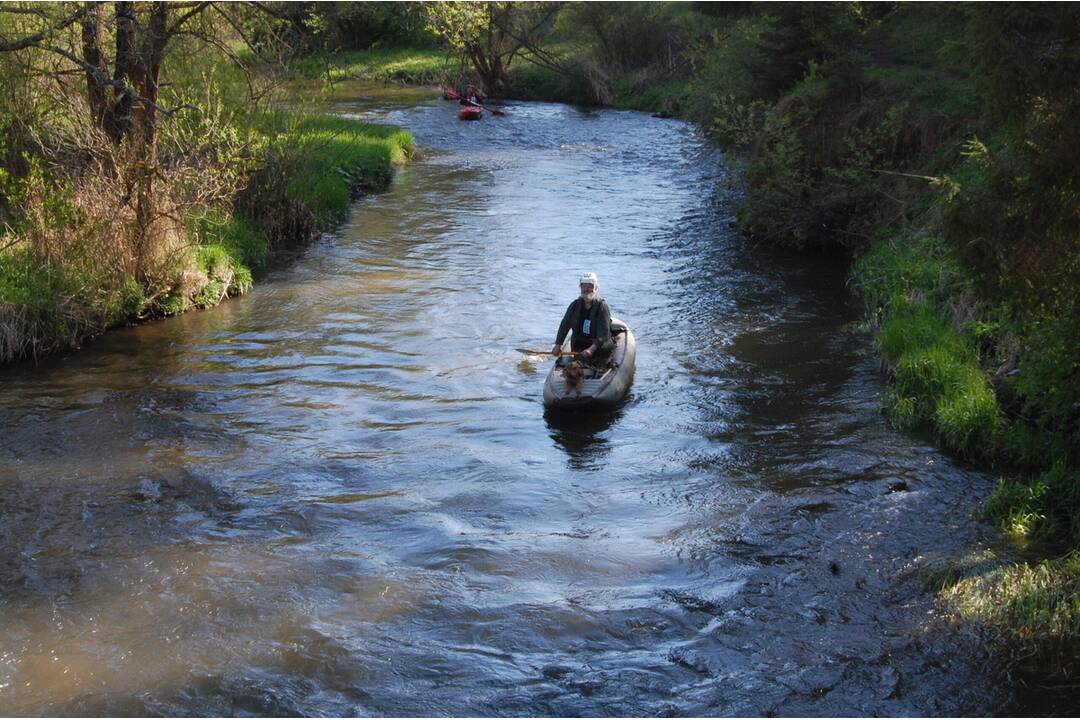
131	302
33	304
1049	377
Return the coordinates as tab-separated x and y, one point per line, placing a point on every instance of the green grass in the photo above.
1034	609
412	66
235	234
937	379
916	327
891	273
225	275
338	155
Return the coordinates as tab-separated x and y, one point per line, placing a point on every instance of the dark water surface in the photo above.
340	494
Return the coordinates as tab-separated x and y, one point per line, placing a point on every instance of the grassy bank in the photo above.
400	65
58	286
951	360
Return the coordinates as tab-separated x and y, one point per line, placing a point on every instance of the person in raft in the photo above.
590	320
471	96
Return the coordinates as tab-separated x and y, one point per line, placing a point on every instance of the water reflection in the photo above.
582	434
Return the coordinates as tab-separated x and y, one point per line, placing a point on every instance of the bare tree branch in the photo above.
103	78
540	57
35	39
196	8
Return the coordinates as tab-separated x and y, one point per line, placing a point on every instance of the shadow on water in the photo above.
582	434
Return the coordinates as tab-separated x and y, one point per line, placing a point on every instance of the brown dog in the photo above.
574	376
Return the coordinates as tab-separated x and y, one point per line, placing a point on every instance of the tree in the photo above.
489	35
118	49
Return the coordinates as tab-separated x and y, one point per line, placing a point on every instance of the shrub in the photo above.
131	302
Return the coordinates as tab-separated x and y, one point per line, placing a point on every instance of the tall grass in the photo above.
339	156
1034	608
937	378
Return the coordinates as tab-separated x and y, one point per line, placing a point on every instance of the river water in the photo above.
340	494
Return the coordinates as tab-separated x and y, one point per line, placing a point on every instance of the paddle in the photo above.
493	111
527	351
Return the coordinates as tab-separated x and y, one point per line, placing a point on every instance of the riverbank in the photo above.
300	175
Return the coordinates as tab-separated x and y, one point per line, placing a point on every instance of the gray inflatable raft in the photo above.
607	389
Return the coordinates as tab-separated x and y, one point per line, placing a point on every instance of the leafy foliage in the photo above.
489	35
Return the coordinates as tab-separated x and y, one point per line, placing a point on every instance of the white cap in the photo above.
590	278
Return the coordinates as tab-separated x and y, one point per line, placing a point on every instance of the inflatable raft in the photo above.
471	112
607	388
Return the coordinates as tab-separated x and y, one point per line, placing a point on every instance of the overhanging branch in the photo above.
104	79
36	38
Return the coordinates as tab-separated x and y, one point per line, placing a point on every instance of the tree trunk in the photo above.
145	80
97	93
123	71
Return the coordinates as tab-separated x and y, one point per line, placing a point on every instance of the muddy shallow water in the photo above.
340	494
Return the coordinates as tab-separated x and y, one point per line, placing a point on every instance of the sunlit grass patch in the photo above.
338	155
1034	608
325	159
225	275
414	66
1045	506
237	235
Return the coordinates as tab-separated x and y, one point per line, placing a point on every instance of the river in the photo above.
340	494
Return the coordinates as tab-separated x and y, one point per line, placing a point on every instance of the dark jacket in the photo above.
601	324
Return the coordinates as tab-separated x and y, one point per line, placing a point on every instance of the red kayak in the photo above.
470	112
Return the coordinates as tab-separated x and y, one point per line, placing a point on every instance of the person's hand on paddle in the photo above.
555	349
587	353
